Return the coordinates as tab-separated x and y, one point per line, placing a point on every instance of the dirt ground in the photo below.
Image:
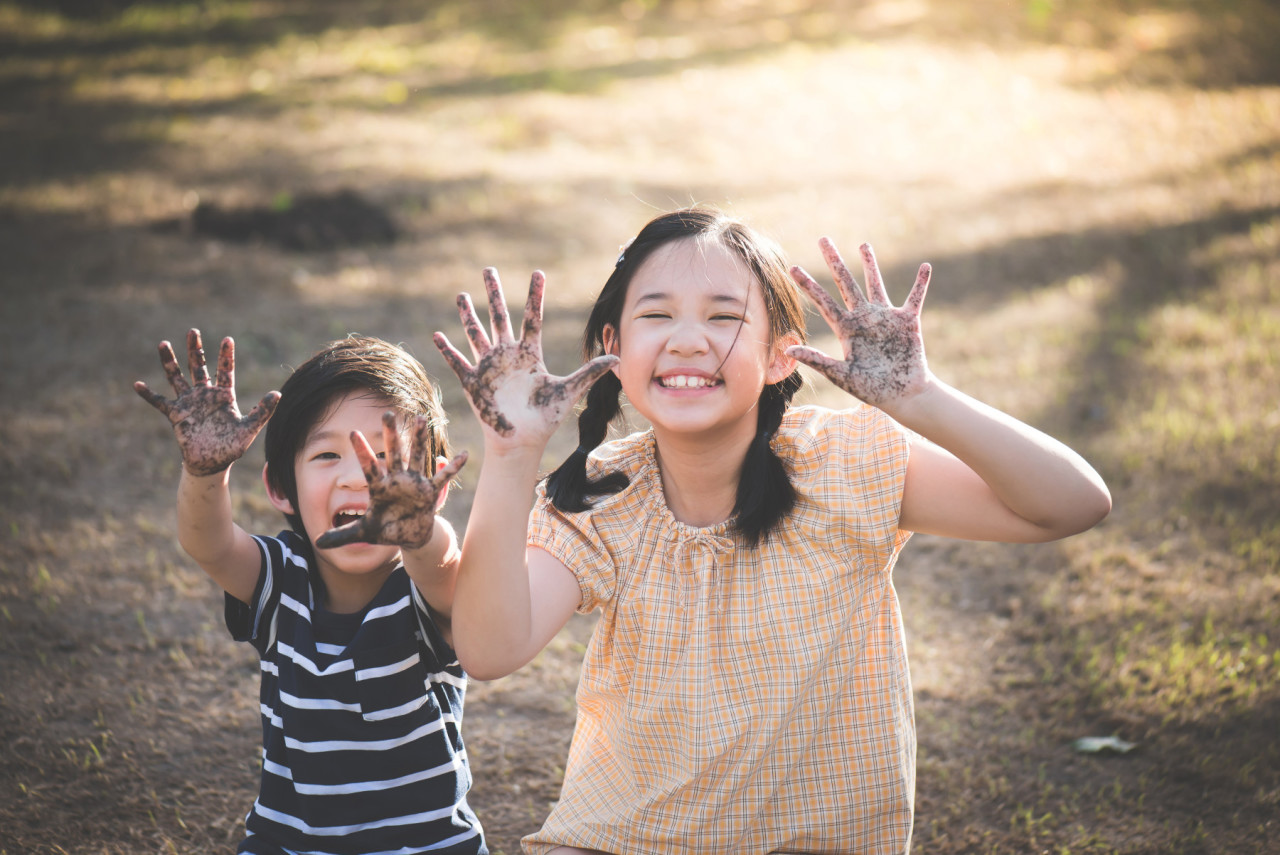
1096	184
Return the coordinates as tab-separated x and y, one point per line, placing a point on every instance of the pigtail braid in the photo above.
568	486
765	492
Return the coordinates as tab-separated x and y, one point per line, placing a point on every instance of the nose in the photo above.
687	339
350	475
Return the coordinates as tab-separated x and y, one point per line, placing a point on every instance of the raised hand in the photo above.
403	495
883	350
509	387
210	430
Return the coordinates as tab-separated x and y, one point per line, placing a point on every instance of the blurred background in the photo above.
1097	185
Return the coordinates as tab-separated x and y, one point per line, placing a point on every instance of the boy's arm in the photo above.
510	600
983	475
211	435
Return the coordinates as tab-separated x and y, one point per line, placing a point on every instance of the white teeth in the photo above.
685	381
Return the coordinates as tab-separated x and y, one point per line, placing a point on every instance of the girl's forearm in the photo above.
1035	476
492	608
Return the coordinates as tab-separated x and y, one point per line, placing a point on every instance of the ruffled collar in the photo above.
718	537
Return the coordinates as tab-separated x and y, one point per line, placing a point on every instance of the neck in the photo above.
700	475
345	593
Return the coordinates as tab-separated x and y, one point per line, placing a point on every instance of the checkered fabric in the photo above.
742	700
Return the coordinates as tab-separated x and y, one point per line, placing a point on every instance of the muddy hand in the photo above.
883	349
210	430
509	387
403	495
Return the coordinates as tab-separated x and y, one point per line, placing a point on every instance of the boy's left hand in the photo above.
883	349
403	497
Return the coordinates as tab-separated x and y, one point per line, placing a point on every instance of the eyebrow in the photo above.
659	296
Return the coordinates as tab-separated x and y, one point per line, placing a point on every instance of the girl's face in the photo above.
694	342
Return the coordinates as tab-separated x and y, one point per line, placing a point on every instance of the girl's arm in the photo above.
982	474
510	600
211	435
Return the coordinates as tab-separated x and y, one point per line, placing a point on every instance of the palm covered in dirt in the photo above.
509	386
884	357
403	494
206	420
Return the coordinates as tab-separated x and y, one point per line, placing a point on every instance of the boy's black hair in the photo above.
355	363
765	493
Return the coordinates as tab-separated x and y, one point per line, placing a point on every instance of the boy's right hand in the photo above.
211	432
509	386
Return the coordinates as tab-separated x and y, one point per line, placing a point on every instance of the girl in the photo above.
746	689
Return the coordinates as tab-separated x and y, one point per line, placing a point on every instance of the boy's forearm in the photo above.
208	533
434	567
205	524
1035	476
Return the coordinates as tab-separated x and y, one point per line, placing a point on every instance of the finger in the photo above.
532	332
499	319
169	362
258	416
157	401
420	447
848	286
456	360
830	310
450	469
577	383
352	532
392	441
195	359
815	359
915	300
871	272
479	339
369	463
227	364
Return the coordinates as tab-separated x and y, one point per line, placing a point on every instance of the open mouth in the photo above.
687	381
348	515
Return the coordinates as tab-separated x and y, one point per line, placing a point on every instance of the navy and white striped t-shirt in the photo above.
361	719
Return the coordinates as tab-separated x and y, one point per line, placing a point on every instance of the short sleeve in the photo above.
252	621
850	467
573	540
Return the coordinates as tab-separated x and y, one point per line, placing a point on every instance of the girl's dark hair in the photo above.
353	364
765	493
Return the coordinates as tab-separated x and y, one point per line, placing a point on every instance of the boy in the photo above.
349	608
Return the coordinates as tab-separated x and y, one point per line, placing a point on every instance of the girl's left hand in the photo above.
883	350
509	386
403	498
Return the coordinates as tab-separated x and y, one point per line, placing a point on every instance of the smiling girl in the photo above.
746	688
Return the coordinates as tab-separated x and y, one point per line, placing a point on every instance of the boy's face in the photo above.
332	491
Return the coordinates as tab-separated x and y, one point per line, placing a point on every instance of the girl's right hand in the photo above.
509	387
211	432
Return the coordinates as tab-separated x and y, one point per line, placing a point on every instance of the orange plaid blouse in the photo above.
740	700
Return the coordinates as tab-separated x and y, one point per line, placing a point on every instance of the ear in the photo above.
609	338
280	502
444	494
782	365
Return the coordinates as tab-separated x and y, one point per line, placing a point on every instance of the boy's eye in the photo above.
655	315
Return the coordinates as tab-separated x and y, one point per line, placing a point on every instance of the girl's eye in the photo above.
325	455
655	315
734	318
